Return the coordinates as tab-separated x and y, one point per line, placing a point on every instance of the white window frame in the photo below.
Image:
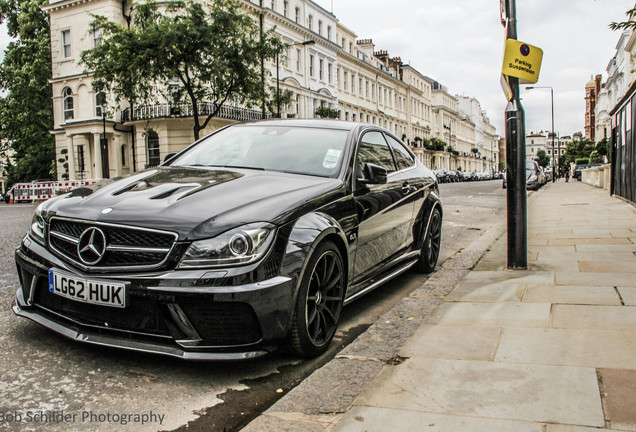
65	39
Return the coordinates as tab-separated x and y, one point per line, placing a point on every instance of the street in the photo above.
42	371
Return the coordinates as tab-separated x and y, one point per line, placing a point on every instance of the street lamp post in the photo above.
303	43
552	106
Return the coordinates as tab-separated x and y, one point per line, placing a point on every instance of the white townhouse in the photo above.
323	64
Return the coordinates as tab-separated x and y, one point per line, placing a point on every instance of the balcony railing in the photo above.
149	112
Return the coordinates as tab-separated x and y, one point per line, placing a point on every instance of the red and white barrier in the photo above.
37	191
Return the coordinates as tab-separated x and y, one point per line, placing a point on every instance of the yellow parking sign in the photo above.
522	60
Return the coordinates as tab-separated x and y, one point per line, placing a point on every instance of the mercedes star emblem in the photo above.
91	246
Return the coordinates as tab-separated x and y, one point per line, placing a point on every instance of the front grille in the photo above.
223	323
126	247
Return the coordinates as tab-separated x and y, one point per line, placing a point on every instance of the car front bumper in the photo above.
191	314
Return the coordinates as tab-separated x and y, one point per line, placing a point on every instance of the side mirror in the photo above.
374	174
168	157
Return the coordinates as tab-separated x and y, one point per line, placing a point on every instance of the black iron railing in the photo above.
149	112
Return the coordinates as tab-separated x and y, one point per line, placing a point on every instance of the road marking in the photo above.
9	286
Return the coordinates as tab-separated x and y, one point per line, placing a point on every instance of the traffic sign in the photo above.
522	60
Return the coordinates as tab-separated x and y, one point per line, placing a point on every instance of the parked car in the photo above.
534	176
252	238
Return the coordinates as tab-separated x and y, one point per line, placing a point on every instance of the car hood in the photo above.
197	202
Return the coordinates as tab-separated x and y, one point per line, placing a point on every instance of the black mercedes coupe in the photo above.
250	240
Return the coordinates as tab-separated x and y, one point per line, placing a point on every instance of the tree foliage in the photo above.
624	25
579	148
213	50
542	158
326	112
26	113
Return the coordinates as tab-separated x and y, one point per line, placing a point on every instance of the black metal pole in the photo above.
262	59
277	89
516	162
553	155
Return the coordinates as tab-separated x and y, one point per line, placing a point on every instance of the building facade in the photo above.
324	64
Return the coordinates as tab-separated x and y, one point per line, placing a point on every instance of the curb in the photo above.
320	400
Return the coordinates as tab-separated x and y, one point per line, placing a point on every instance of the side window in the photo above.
374	149
403	157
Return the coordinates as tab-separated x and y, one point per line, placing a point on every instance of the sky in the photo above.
460	44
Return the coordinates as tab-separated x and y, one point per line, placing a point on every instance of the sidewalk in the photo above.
550	349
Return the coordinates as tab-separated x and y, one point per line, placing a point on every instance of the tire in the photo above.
432	244
319	302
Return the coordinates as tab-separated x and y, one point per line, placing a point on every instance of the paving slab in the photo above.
619	387
492	390
508	276
628	294
369	419
571	428
588	348
606	248
596	279
492	314
497	292
608	267
453	342
266	423
581	295
588	241
594	317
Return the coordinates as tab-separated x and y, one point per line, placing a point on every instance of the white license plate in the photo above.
92	291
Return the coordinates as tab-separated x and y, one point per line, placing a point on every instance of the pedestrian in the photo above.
567	175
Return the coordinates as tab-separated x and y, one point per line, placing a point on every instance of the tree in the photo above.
579	148
542	158
326	112
26	113
629	24
212	50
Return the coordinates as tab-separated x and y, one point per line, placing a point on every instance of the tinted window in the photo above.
374	149
299	150
403	158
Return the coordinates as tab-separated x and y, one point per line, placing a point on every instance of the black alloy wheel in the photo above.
432	244
319	302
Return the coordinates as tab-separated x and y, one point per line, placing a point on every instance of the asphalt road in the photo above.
93	388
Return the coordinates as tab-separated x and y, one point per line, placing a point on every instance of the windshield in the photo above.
529	166
301	150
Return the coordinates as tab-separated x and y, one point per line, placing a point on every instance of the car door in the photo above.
384	211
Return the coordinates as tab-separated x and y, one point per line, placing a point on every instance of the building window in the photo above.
311	23
123	155
329	32
344	81
297	18
360	86
285	8
321	67
100	104
81	166
67	101
273	4
66	43
329	73
97	37
320	27
298	63
311	65
152	144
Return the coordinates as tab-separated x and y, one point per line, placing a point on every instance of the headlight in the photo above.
37	226
242	245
